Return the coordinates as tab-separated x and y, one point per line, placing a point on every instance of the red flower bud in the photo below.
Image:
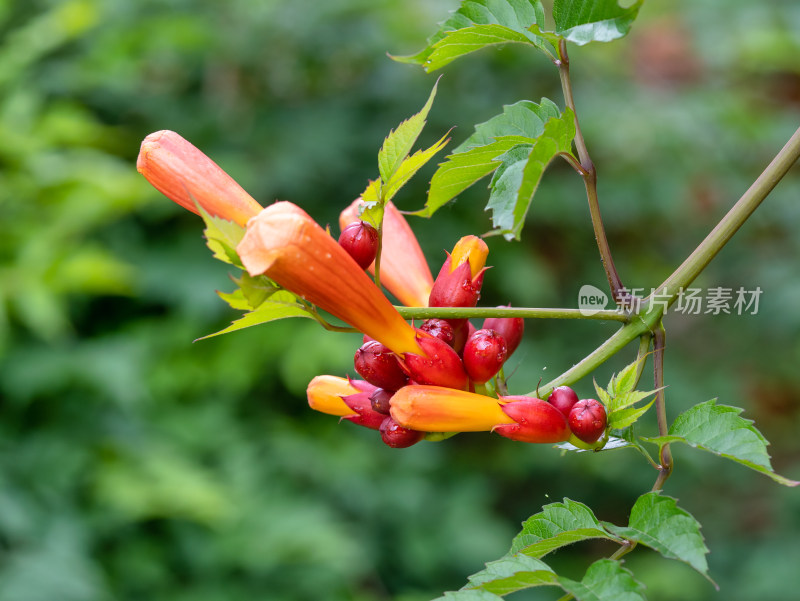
457	288
360	240
439	328
398	437
563	398
459	281
440	366
379	366
536	421
587	419
361	405
484	354
510	328
380	400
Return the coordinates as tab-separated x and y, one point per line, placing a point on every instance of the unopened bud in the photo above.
439	328
587	419
440	366
360	240
484	354
563	398
379	366
398	437
536	421
510	328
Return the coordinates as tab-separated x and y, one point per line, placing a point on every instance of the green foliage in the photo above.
395	165
657	522
278	304
478	24
222	237
558	524
605	580
620	396
720	430
584	21
513	573
517	146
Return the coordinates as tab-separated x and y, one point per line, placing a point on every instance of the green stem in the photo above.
619	340
644	348
665	455
650	313
589	174
729	225
525	312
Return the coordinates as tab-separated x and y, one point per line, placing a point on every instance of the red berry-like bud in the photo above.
587	420
484	355
563	398
398	437
379	366
360	240
440	366
380	400
536	421
510	328
439	328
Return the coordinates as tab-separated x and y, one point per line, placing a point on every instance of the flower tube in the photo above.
437	409
285	244
185	175
349	399
404	270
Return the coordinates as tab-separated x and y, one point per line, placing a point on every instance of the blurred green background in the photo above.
137	465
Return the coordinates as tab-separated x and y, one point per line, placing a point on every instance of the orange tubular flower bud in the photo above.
185	175
325	394
349	399
437	409
285	244
404	271
459	281
536	421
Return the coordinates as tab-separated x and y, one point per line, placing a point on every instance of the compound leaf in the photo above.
720	430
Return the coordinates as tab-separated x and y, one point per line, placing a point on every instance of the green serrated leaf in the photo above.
235	299
255	289
469	595
718	429
222	237
372	212
524	118
512	573
657	522
470	39
462	170
627	399
623	418
511	200
399	142
478	24
625	381
602	395
584	21
558	525
410	166
605	580
280	305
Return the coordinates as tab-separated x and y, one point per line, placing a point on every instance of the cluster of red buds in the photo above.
421	380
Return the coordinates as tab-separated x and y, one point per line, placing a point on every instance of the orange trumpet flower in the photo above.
285	244
404	271
185	175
